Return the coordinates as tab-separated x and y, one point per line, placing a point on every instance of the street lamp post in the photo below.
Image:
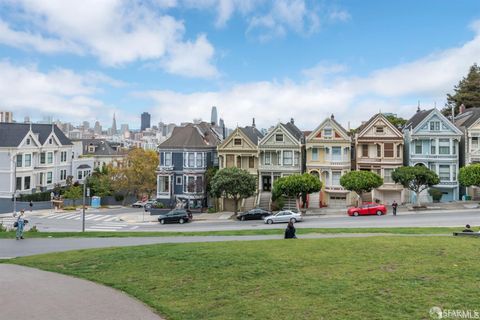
14	160
83	202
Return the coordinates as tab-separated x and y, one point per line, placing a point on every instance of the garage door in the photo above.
389	196
228	205
337	200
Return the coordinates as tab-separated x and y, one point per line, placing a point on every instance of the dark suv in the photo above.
254	214
176	215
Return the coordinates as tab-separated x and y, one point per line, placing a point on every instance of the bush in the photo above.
70	208
119	197
41	196
278	204
158	205
33	229
212	210
2	228
435	194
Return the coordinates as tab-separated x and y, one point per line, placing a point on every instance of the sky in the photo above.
268	60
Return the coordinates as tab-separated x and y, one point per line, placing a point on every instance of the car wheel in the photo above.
162	221
379	213
181	221
242	218
355	214
293	220
269	221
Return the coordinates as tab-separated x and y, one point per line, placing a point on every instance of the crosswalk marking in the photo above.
111	219
59	216
134	227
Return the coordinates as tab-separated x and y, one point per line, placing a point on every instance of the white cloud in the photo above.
341	15
116	31
351	99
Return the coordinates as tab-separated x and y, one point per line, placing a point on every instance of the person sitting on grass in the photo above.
290	231
467	229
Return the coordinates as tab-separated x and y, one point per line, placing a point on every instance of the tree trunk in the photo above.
235	206
359	199
417	200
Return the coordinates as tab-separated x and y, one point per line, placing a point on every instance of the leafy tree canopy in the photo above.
361	181
470	175
296	185
396	121
416	179
466	92
73	193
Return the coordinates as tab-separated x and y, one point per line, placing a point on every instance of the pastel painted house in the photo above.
431	140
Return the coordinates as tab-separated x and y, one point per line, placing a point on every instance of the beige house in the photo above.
328	157
379	148
240	149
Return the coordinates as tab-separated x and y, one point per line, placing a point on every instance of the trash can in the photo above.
96	202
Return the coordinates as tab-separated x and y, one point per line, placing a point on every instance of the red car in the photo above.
367	208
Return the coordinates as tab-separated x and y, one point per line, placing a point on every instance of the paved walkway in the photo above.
31	294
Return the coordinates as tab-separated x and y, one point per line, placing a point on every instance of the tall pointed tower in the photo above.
114	125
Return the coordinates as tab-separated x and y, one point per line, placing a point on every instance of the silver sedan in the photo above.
283	216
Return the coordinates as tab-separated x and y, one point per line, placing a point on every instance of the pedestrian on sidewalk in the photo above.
20	224
31	205
394	207
290	231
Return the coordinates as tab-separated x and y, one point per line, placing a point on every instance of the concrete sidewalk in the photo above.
29	293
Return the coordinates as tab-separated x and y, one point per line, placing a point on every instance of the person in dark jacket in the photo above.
394	207
290	231
467	229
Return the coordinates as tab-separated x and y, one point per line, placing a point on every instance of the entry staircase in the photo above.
264	200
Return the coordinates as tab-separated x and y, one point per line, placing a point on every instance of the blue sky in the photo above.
271	60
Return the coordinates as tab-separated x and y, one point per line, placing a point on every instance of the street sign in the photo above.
88	192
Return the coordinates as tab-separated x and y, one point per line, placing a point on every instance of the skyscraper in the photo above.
6	116
98	128
114	125
214	117
145	121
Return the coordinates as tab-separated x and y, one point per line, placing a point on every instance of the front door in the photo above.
267	183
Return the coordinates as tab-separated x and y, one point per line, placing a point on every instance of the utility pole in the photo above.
83	201
14	160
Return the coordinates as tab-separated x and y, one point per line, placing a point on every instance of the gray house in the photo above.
35	157
184	160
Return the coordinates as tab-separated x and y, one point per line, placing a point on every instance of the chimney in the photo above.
332	117
462	108
253	122
292	121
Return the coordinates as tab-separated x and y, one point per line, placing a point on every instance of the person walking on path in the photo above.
20	224
394	207
31	205
290	231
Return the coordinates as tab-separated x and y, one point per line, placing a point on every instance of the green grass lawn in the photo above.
348	278
300	231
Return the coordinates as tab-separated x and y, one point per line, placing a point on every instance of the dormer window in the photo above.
327	132
237	142
91	149
28	142
434	125
279	138
379	129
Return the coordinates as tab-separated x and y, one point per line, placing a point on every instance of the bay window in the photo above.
163	184
444	146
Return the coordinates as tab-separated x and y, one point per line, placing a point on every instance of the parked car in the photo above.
367	208
176	215
283	216
139	204
254	214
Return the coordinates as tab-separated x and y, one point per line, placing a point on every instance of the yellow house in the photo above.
329	157
240	149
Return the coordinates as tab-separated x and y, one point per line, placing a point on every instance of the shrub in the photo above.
435	194
41	196
158	205
33	229
212	210
70	208
3	228
119	197
278	204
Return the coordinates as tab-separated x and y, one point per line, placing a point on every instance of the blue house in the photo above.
431	140
184	160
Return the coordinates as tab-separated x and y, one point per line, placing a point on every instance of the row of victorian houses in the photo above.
329	151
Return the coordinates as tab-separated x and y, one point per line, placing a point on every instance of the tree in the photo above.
73	193
233	183
137	175
99	182
416	179
470	175
361	181
297	185
466	92
398	122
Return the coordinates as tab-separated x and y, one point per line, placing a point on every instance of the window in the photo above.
42	178
296	156
26	183
237	142
191	159
63	156
336	178
474	142
454	148
42	158
199	184
364	150
199	160
327	132
399	151
18	182
19	160
28	142
49	177
63	175
379	130
50	157
444	172
314	154
267	158
230	161
434	125
167	158
454	173
279	137
50	141
418	147
388	150
387	175
379	151
444	146
189	184
287	158
163	184
336	153
433	147
28	160
178	180
251	162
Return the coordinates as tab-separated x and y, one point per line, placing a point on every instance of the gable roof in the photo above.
192	136
372	119
12	134
293	130
102	147
322	124
429	114
467	118
417	118
252	134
